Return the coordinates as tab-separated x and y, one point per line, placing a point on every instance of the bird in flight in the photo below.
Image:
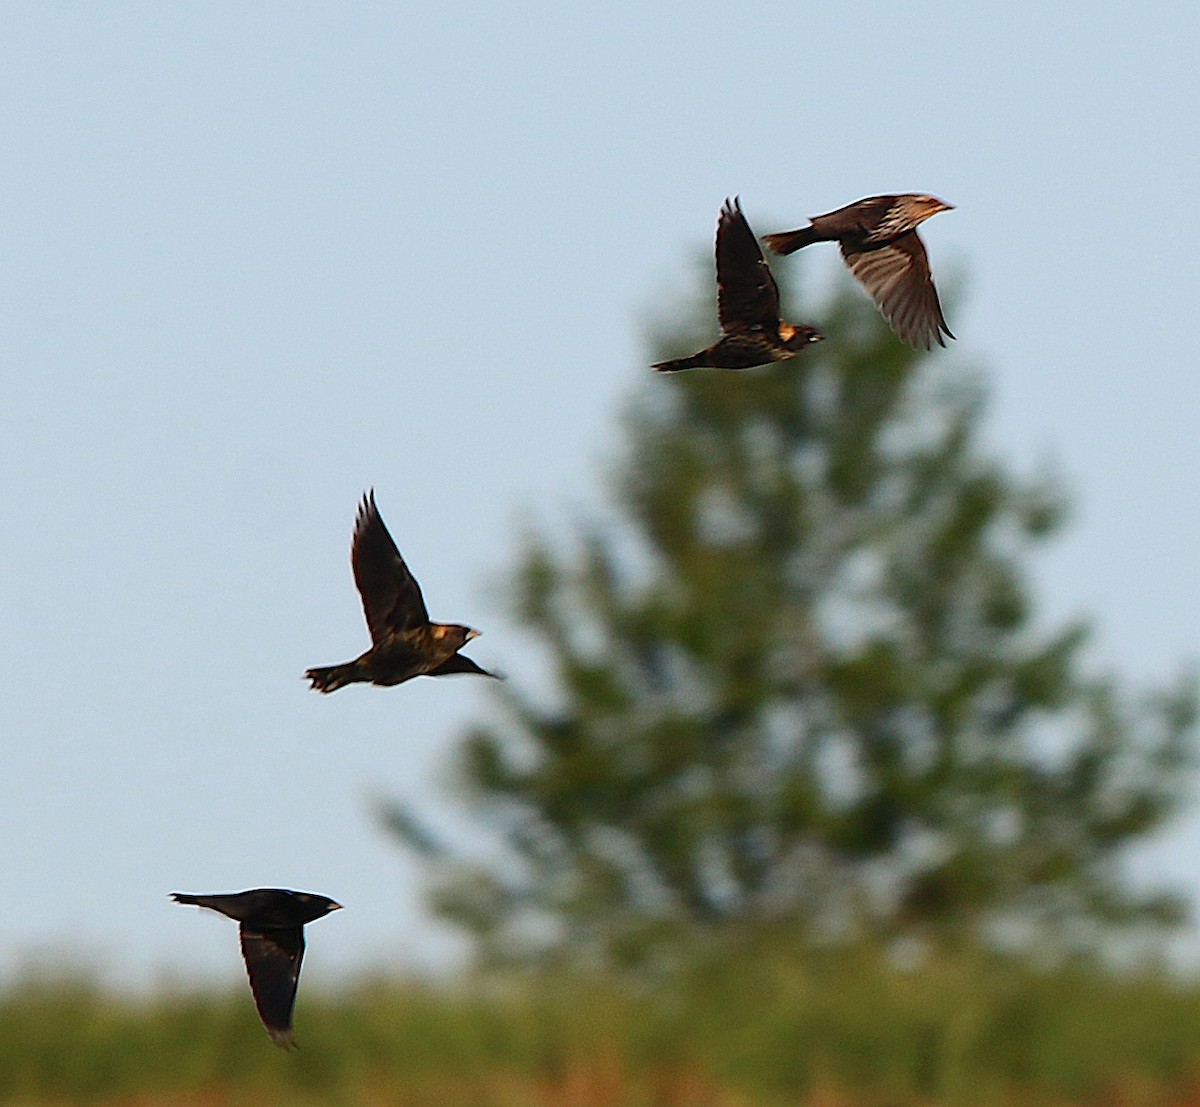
404	643
271	927
747	306
881	247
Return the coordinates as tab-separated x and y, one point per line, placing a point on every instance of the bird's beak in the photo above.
943	206
335	907
473	634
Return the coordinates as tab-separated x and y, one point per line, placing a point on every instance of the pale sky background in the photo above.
260	257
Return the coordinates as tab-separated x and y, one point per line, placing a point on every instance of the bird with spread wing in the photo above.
747	306
880	246
404	642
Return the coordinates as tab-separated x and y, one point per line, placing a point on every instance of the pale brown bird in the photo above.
405	644
880	246
747	306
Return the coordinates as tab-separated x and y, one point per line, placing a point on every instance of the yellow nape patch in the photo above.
786	331
440	630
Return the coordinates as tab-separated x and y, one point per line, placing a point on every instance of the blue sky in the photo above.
258	258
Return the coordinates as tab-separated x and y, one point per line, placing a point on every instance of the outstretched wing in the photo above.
273	964
391	597
747	296
898	279
459	664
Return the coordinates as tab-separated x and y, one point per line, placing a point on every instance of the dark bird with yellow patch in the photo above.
271	926
881	247
747	306
404	643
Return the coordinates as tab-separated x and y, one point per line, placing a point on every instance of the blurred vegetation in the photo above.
799	678
837	1028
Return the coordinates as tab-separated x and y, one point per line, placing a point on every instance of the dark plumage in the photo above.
880	246
405	643
747	306
271	926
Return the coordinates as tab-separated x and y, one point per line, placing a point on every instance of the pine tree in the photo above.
801	684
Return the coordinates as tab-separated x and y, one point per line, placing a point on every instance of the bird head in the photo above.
315	906
925	206
796	336
454	634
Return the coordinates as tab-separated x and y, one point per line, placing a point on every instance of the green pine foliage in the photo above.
799	679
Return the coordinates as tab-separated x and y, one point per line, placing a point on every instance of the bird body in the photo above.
430	650
271	925
747	306
405	643
880	246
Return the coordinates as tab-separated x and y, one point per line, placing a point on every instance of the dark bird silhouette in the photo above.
747	306
404	643
880	246
271	926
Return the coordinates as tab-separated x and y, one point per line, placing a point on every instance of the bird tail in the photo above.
332	677
184	897
696	361
211	903
788	242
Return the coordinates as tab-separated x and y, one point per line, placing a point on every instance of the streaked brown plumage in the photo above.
405	644
271	925
747	306
881	247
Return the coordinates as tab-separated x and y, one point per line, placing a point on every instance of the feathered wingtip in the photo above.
366	509
285	1039
460	664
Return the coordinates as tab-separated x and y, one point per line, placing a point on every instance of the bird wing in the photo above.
391	598
747	295
458	664
898	279
273	959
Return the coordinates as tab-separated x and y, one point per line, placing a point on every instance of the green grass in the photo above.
763	1029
